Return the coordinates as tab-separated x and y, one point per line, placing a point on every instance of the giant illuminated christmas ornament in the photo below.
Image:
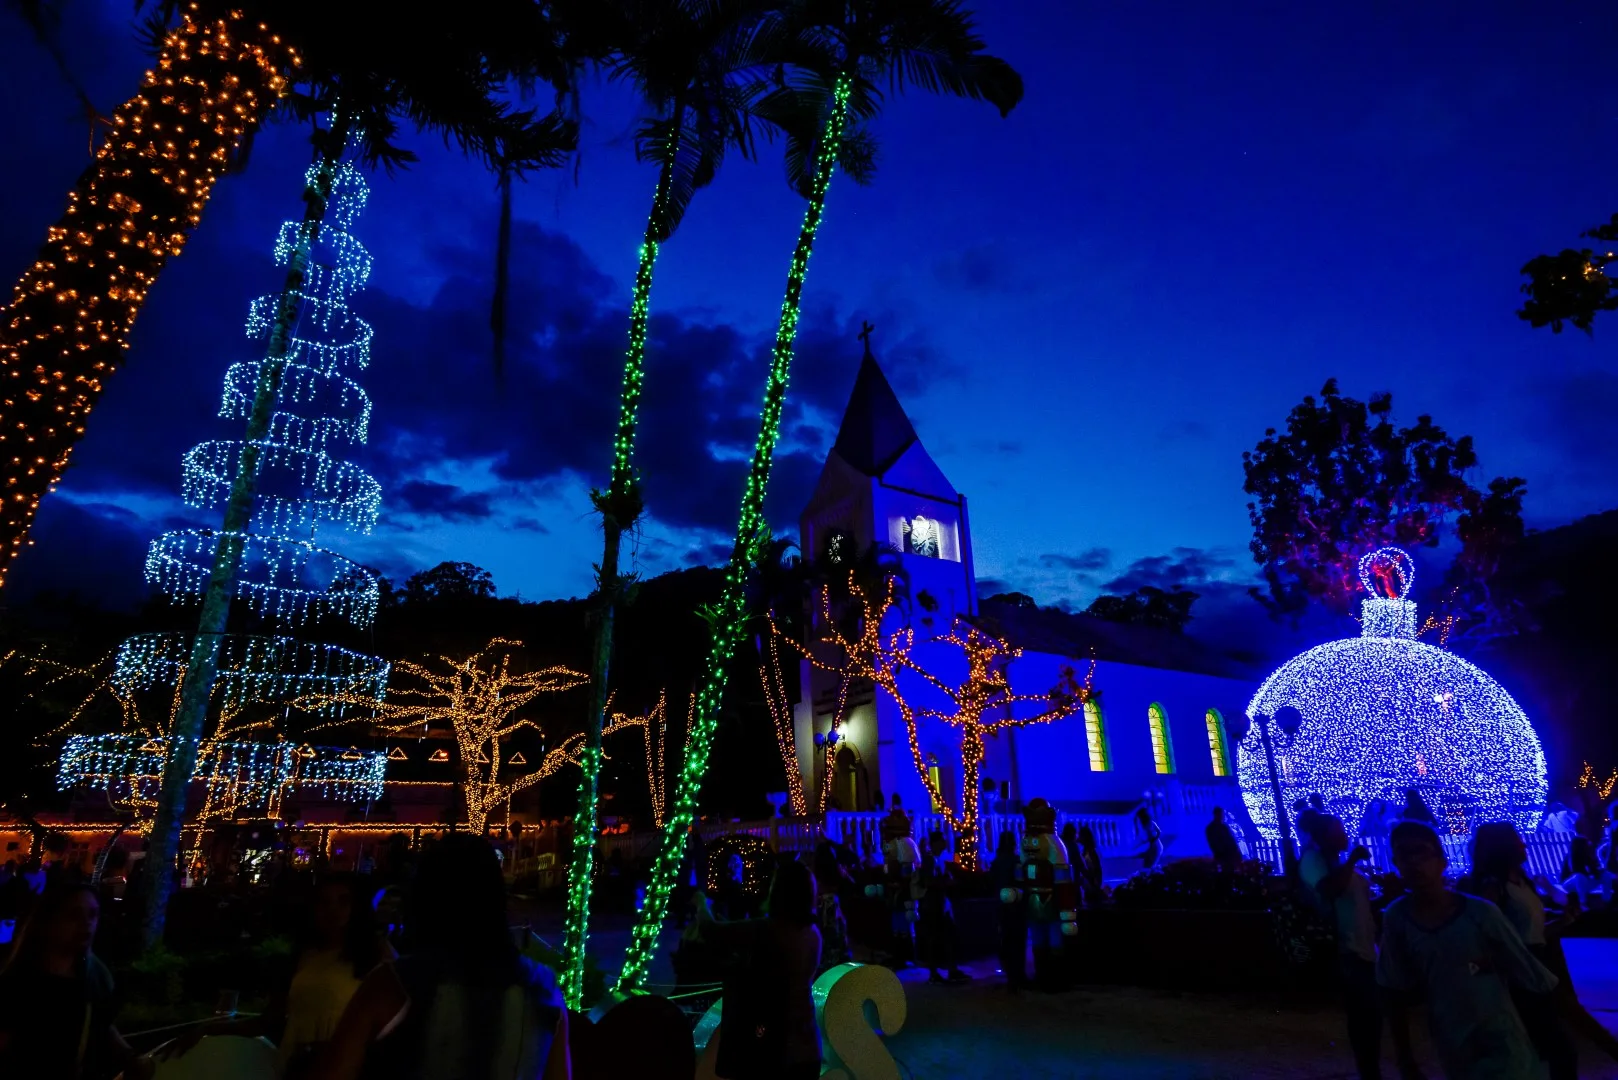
301	402
1386	715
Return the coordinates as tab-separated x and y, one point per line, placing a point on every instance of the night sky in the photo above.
1090	309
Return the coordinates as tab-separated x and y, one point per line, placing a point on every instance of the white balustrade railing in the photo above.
1547	852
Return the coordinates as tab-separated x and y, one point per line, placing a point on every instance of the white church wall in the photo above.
1052	761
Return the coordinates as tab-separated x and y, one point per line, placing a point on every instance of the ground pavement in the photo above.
980	1030
1126	1033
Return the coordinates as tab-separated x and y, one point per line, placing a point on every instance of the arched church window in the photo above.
921	536
1095	737
1218	748
1162	748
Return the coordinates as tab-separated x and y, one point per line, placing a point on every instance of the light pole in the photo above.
1286	722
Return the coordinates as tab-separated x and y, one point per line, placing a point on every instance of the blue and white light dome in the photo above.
1385	713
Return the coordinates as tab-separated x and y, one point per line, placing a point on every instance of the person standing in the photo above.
1340	891
462	1002
1460	955
1498	855
337	949
56	996
1152	853
1003	874
1087	872
767	1030
1227	854
939	934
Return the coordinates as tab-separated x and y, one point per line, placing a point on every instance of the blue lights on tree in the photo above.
1385	714
301	402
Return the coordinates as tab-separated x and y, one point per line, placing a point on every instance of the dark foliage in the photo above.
1572	285
1343	480
1147	606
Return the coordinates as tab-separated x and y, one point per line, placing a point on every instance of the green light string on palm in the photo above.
620	507
729	616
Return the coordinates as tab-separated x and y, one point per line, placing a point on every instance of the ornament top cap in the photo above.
1387	573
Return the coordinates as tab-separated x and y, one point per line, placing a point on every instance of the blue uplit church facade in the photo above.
1154	732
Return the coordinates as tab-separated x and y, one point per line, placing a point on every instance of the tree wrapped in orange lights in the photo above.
69	320
980	706
480	699
221	69
983	705
854	650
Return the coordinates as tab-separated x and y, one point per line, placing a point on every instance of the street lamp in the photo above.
1286	722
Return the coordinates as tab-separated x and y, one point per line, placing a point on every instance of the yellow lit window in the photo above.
1095	738
1162	748
1218	749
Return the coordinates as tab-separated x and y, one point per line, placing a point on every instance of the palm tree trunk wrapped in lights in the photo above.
697	66
728	618
848	47
219	71
132	209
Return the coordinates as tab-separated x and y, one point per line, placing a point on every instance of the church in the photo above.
1152	734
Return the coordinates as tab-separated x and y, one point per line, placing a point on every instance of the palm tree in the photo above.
220	70
849	48
699	66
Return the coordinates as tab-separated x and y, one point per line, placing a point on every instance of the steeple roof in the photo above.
875	430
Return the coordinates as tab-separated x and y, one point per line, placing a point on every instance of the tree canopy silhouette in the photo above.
1344	479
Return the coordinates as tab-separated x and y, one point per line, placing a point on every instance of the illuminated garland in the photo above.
286	580
258	668
729	615
1384	714
1603	788
133	208
254	769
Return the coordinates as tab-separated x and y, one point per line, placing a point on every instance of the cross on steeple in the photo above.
865	336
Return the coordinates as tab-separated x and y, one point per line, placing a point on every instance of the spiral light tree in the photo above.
277	485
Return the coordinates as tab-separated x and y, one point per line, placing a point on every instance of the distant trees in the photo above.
1343	479
1147	606
449	581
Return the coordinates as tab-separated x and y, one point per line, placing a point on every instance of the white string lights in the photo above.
1385	714
284	575
256	772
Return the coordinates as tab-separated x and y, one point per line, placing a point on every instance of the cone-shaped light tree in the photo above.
701	69
849	48
220	70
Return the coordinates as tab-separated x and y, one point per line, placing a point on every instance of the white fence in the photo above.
1547	852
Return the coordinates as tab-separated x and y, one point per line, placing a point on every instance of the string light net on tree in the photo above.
1385	714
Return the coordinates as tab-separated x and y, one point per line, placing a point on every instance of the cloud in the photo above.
989	268
1186	431
1085	562
94	551
1183	567
443	501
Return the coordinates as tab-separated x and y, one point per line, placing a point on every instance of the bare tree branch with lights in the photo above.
981	706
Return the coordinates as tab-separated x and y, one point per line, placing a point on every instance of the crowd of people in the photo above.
1481	955
424	980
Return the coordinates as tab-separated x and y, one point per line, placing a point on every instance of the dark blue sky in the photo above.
1090	309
